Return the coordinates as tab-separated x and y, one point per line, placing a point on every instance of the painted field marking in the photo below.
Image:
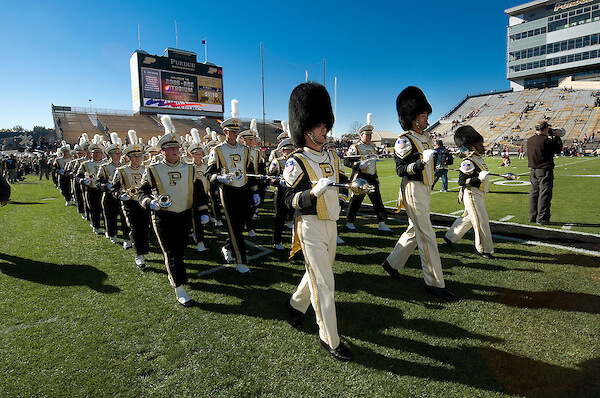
506	218
567	226
262	252
457	212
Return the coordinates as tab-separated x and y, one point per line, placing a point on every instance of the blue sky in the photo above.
60	54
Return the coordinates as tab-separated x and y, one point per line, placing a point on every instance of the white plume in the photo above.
195	136
153	141
63	143
253	124
85	137
284	125
114	138
234	108
369	118
97	139
213	135
141	141
167	123
132	137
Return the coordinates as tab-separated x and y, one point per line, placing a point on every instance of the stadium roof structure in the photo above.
525	7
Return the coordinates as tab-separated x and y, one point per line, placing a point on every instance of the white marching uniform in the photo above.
473	196
316	234
415	196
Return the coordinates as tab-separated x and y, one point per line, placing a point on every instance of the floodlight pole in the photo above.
262	76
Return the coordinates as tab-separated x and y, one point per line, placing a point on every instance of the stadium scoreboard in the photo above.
175	84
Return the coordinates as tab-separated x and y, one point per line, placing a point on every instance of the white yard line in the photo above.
506	218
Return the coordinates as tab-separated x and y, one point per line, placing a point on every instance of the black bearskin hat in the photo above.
466	136
309	106
410	102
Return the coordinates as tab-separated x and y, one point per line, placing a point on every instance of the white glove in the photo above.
225	179
363	164
483	174
204	219
255	199
154	205
428	155
61	171
86	181
124	197
321	186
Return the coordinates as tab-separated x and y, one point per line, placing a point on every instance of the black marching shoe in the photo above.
450	244
441	292
486	255
341	353
295	315
391	271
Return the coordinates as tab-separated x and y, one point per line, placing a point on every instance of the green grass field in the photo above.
576	195
77	318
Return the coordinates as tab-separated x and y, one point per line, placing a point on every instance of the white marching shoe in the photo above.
279	246
218	223
227	256
243	269
289	225
140	260
251	233
340	241
201	247
126	244
351	226
113	239
97	231
182	296
383	228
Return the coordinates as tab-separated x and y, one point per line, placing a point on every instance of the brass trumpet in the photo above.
164	201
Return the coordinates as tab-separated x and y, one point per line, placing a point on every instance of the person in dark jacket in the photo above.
541	148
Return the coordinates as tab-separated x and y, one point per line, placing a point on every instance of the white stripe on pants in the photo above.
318	240
420	233
475	216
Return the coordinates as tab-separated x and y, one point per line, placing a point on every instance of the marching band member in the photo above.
126	183
197	151
228	164
86	175
62	175
72	168
170	189
413	154
249	139
282	212
362	159
111	208
474	182
308	173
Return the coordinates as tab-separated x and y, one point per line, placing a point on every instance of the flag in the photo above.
204	41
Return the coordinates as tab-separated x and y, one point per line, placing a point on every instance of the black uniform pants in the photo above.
64	183
375	196
111	210
138	220
542	182
93	198
172	230
78	196
282	213
235	207
197	226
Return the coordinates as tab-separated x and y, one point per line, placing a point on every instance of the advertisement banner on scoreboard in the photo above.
181	86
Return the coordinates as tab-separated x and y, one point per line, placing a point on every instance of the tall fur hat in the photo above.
410	102
466	136
310	105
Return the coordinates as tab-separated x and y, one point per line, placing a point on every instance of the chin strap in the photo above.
313	139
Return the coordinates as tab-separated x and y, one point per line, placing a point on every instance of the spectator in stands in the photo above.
541	148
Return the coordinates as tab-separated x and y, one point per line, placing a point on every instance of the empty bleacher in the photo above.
71	122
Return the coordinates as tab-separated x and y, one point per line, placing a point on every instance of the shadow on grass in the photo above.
55	274
12	202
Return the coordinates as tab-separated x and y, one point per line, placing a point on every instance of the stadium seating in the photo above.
72	122
514	114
